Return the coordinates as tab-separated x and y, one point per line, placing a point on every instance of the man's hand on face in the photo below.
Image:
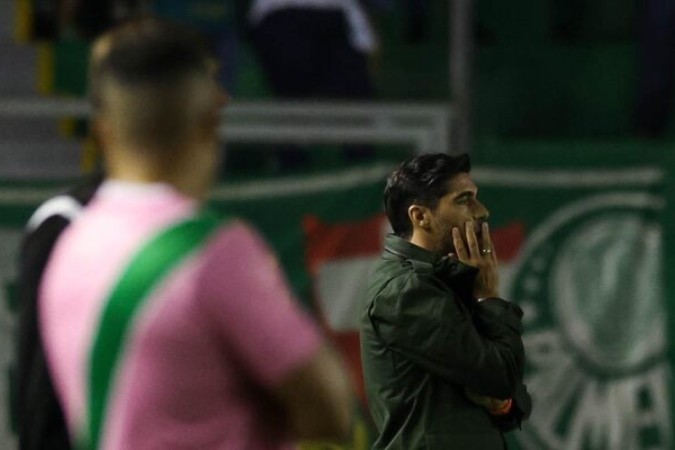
480	255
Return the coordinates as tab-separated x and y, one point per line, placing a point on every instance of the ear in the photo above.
100	129
103	134
419	217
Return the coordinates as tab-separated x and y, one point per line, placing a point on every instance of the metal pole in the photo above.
461	52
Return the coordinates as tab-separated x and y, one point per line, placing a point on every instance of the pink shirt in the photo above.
206	349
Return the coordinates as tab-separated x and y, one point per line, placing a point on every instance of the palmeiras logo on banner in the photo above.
589	281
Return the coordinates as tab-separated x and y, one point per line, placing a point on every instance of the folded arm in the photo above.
422	320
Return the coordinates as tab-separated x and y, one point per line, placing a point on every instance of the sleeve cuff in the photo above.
504	410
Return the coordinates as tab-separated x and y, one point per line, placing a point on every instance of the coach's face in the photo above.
459	208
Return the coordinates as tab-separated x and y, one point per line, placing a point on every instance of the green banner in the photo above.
582	250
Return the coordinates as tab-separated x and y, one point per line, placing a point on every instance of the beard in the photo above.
444	242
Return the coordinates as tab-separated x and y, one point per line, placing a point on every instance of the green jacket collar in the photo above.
406	250
456	275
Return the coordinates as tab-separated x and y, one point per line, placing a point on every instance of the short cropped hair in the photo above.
153	80
421	180
145	52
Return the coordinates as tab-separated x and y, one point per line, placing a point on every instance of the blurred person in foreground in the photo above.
442	354
164	325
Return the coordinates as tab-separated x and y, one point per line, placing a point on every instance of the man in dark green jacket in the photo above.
443	357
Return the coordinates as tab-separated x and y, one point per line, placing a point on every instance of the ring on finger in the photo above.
486	251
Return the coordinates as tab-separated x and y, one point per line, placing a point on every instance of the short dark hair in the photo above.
421	180
148	51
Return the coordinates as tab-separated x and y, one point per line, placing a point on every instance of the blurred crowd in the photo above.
308	48
305	49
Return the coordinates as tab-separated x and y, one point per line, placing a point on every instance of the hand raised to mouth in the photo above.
479	254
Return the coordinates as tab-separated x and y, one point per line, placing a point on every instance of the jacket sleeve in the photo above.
522	407
421	320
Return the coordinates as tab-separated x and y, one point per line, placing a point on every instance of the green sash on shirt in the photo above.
153	263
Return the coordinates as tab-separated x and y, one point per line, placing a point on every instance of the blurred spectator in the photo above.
198	353
314	49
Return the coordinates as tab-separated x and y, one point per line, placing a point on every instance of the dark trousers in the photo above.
307	54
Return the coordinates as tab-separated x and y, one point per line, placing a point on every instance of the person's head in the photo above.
155	101
428	195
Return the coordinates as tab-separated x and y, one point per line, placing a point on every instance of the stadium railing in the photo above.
426	127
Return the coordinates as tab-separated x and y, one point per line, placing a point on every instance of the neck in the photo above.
185	174
423	240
